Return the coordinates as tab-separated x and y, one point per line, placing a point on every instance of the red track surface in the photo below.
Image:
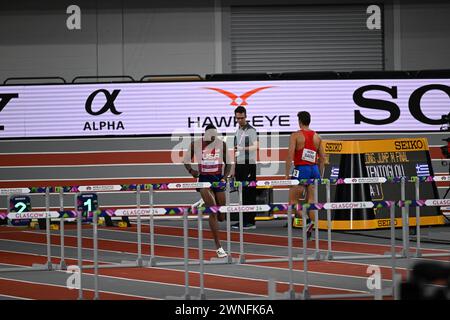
165	276
114	157
175	277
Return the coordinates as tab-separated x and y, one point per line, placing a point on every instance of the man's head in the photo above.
304	118
210	132
241	116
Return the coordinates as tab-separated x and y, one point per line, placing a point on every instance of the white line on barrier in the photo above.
277	183
365	180
442	178
348	205
188	185
6	191
97	188
437	202
248	208
33	215
142	212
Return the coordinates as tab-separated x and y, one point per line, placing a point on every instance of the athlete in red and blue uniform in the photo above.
305	148
211	154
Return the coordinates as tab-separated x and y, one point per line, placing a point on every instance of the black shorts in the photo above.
212	178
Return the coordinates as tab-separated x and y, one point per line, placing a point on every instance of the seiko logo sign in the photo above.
409	145
108	106
414	104
4	99
333	147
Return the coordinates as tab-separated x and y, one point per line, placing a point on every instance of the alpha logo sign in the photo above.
108	106
166	108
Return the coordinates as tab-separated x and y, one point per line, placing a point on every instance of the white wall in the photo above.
425	30
36	42
171	37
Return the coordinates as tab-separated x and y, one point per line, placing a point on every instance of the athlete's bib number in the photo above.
296	173
210	165
309	155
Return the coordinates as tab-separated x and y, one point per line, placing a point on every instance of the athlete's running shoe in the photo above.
221	253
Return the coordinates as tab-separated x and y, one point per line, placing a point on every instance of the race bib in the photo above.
210	161
296	173
210	166
309	155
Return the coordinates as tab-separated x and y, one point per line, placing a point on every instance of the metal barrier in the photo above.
183	214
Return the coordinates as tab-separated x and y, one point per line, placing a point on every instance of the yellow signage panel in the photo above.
367	146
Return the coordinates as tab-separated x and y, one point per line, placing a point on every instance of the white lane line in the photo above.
13	297
196	272
249	265
320	240
61	286
268	256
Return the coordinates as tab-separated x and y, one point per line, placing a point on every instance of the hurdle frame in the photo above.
404	204
48	266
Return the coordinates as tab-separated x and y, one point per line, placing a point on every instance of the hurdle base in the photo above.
184	297
200	297
123	264
226	260
328	256
306	295
287	295
34	267
47	266
133	263
367	257
152	262
62	265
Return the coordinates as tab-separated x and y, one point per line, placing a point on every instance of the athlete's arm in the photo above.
290	155
321	156
187	160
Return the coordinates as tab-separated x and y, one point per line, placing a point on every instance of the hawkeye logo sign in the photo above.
239	100
234	100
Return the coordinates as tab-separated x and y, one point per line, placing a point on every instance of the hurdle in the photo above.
404	204
441	202
378	293
47	215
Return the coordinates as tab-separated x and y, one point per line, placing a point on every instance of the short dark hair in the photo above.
240	109
304	117
210	126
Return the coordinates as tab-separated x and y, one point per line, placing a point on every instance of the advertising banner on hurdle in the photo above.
365	169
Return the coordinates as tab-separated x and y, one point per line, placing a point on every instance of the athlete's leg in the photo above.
220	200
295	193
209	198
315	174
310	199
